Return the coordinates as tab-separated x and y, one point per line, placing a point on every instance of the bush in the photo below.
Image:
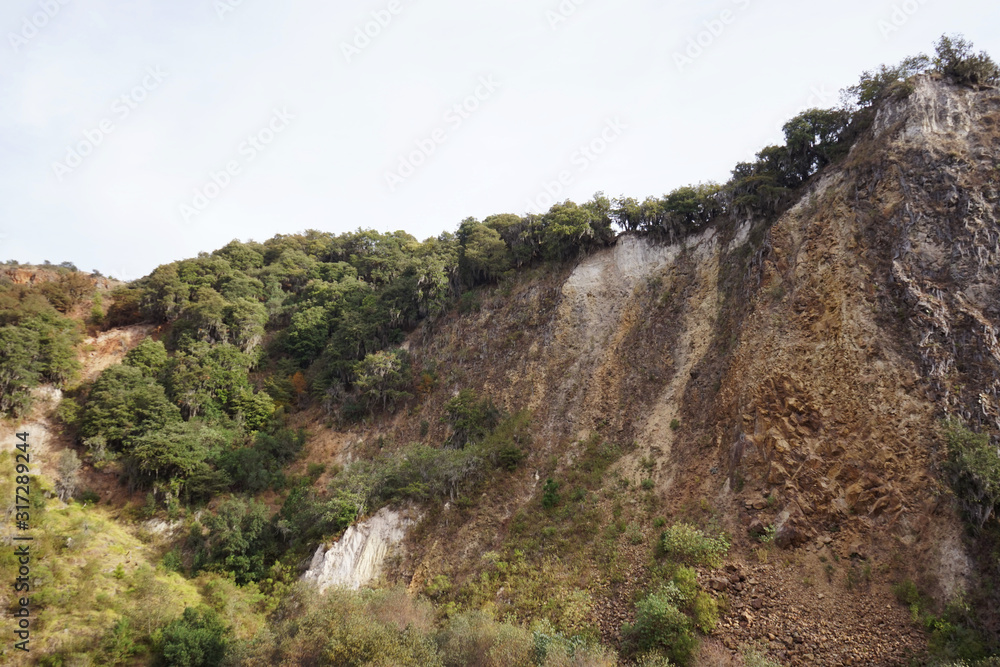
956	60
471	419
550	494
686	544
705	611
754	657
660	625
119	644
974	468
197	639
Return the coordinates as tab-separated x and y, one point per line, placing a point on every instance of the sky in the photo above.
134	133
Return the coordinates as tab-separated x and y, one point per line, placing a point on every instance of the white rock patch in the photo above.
357	558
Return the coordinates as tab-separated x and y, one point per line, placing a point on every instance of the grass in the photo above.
88	572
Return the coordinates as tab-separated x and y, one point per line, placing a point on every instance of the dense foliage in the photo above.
37	340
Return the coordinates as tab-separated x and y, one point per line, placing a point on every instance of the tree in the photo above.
877	85
471	419
123	404
383	377
175	453
813	140
164	294
238	538
196	639
149	356
20	369
67	474
245	322
566	229
207	379
307	335
956	60
484	254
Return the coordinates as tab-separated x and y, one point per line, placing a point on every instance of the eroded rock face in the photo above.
878	318
357	558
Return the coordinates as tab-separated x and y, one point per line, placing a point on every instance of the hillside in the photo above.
742	424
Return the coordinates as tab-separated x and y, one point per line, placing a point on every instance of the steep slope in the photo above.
867	315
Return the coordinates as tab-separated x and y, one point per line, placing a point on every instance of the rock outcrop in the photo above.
356	559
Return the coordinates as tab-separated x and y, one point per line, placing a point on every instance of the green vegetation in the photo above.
686	544
390	627
197	639
36	340
952	635
668	616
975	471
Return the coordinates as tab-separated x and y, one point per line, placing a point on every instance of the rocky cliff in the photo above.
791	374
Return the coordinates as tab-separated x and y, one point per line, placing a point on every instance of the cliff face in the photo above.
876	319
794	375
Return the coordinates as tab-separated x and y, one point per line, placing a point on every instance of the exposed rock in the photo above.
356	559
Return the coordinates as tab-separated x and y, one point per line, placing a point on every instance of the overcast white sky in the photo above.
117	114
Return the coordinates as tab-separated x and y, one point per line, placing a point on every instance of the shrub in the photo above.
686	544
956	60
754	657
119	644
660	625
471	419
550	494
686	582
652	659
196	639
974	468
705	611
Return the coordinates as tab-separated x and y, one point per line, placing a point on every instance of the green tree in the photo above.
123	404
955	59
471	419
884	82
484	254
566	229
244	321
20	369
813	140
383	378
307	334
975	471
149	356
196	639
176	454
239	538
